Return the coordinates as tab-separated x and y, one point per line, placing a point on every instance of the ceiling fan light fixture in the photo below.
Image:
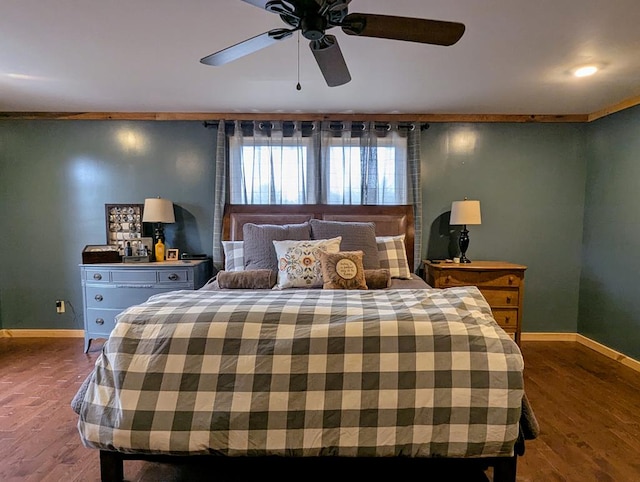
585	71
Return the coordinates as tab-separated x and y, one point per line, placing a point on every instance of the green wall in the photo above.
530	181
56	177
610	283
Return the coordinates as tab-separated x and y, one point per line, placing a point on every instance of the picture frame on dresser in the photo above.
123	223
172	254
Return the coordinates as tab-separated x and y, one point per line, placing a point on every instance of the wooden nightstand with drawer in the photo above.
501	283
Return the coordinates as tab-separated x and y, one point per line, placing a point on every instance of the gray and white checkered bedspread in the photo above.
421	373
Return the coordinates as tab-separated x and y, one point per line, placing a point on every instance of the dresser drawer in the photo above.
458	278
103	297
101	322
173	276
97	275
497	278
146	276
479	278
507	319
500	297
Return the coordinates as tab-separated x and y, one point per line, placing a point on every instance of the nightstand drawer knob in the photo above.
97	276
508	299
99	321
98	297
173	277
507	319
510	280
448	279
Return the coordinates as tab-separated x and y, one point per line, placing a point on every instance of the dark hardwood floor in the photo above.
588	407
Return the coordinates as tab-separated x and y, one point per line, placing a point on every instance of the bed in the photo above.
330	374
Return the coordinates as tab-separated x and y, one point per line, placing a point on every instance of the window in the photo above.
328	165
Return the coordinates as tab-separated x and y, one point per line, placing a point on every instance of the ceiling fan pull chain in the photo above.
298	86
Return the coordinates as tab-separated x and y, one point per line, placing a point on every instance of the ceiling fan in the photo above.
314	17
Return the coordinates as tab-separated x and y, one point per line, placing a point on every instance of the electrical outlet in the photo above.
60	306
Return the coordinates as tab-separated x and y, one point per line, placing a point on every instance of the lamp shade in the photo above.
158	210
465	212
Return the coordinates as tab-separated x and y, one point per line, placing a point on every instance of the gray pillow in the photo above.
355	237
259	252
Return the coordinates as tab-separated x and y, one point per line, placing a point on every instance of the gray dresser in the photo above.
109	288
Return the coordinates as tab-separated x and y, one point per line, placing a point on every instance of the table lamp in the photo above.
158	211
463	213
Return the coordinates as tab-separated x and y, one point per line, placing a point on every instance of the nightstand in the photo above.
501	283
109	288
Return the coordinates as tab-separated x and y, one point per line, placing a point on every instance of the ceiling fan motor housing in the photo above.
313	27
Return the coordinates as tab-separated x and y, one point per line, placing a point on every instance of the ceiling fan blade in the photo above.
247	47
257	3
421	30
330	60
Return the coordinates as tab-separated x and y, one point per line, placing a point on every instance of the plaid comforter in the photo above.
421	373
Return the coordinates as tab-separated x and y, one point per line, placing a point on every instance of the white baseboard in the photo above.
588	342
29	333
533	336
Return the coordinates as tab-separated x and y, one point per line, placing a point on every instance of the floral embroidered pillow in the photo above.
299	262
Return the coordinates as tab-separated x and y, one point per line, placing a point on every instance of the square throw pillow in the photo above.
393	256
233	255
343	270
355	237
299	262
259	252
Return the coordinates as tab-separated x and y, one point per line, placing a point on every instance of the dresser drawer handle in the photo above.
508	299
97	276
99	321
510	280
448	279
174	277
507	319
98	297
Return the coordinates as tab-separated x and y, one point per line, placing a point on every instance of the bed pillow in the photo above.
259	252
377	279
299	263
343	270
259	279
355	237
233	255
393	256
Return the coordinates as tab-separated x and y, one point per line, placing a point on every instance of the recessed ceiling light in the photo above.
585	71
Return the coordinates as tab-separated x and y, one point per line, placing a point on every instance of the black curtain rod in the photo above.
423	125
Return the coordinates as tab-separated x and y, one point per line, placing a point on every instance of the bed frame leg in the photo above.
505	470
111	467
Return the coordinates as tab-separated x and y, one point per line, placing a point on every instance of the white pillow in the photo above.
393	256
233	255
299	263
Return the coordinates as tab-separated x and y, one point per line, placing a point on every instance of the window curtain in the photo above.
415	191
271	163
220	194
309	162
363	163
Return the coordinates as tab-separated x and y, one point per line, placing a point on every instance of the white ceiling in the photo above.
143	56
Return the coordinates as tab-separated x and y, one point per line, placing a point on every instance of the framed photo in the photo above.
123	223
172	255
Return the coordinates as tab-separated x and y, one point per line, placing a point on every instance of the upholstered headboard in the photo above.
389	220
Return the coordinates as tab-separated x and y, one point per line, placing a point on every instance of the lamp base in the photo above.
159	233
463	242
